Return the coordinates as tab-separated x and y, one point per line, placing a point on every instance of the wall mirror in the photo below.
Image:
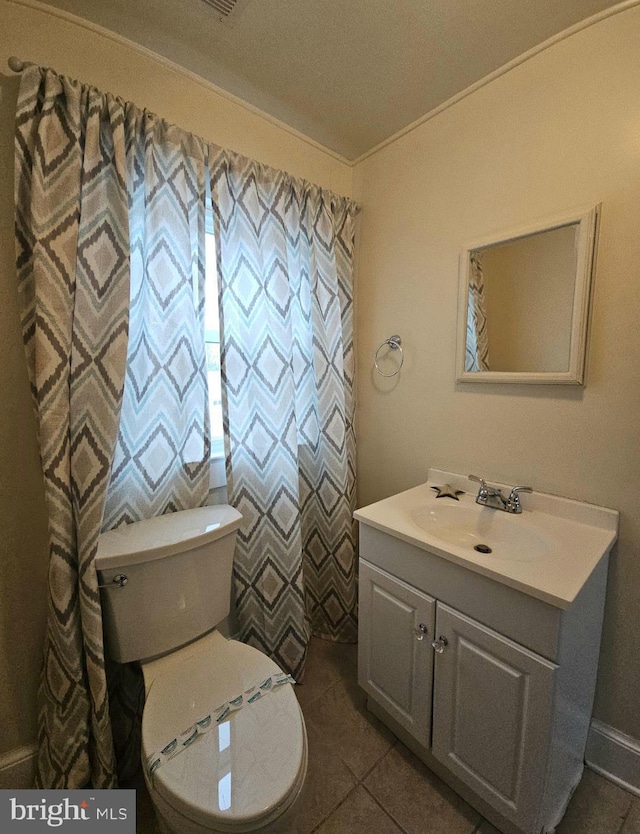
523	306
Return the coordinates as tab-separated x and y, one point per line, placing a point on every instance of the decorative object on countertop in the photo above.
447	491
394	343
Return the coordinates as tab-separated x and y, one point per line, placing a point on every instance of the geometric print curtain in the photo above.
73	279
121	402
285	255
96	183
161	461
477	342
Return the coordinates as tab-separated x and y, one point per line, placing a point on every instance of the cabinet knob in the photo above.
420	631
440	644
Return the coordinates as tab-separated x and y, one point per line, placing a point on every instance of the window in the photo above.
212	346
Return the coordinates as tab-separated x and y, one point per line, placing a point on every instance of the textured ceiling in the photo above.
347	73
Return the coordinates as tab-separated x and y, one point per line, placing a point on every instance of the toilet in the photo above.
219	753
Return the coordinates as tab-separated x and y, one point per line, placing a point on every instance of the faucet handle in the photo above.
483	491
513	501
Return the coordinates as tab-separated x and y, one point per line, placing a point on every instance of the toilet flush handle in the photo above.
118	581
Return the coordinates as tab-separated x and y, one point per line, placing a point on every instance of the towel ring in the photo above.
395	343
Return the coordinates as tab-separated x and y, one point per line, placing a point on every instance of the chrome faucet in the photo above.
491	496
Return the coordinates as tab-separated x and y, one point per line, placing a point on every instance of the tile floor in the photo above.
361	780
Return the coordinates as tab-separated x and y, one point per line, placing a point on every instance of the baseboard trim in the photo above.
17	768
614	755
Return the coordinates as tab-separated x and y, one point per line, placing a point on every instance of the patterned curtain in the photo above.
477	344
285	251
161	459
72	241
109	217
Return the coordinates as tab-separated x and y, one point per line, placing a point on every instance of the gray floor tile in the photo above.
327	784
597	807
416	799
352	732
632	823
327	663
359	814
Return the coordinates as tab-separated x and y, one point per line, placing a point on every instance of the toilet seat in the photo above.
242	774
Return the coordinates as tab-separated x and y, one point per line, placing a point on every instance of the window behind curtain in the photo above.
212	342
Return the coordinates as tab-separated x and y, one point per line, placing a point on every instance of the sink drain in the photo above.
482	548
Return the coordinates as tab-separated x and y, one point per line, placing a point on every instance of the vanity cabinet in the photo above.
489	686
492	703
396	627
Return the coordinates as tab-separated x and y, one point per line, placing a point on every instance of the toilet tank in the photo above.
178	580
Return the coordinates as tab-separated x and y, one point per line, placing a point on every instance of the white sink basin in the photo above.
548	551
507	536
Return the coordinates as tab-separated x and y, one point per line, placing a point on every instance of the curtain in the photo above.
477	343
72	241
162	455
285	252
161	460
109	238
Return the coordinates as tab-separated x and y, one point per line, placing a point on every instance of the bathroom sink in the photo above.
495	533
548	550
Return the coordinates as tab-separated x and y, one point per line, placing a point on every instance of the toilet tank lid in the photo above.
165	535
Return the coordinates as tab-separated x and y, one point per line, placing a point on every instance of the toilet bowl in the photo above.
166	585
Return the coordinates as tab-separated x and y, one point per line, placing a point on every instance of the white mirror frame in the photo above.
587	222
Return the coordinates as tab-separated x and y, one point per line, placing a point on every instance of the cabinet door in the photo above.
492	715
395	658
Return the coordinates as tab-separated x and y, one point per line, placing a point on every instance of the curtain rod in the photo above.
17	65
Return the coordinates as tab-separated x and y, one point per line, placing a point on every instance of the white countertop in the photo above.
567	537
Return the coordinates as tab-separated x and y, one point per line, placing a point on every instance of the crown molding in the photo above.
351	163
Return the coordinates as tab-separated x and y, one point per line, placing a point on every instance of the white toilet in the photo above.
245	772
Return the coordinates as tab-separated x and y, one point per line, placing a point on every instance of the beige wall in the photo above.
560	131
43	38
